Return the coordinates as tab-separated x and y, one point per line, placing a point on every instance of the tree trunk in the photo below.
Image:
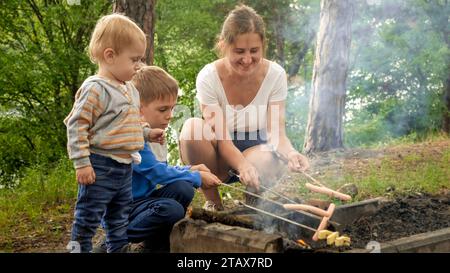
326	108
446	117
142	12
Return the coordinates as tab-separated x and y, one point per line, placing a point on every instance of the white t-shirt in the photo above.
252	117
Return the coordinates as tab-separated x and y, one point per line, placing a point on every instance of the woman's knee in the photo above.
259	157
195	129
189	128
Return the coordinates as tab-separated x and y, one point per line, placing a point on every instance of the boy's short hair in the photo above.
153	83
114	31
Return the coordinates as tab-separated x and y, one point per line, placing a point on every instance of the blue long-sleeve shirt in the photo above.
152	172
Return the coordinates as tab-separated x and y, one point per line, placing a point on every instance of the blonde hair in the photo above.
114	31
154	83
241	20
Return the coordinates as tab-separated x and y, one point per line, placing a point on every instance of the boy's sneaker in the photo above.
100	247
127	249
211	206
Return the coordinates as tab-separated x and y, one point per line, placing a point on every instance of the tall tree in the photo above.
143	13
446	118
438	13
327	103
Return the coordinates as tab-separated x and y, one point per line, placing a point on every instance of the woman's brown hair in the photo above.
241	20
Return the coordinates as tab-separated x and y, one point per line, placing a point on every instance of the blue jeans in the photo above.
152	218
109	197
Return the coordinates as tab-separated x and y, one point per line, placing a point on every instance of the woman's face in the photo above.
245	54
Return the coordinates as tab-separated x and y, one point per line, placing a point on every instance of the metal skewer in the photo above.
278	194
313	180
275	216
274	202
231	172
254	194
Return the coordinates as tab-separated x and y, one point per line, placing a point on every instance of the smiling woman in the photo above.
242	97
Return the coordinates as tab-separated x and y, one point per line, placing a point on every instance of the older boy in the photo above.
155	210
104	130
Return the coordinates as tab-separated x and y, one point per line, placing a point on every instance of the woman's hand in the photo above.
249	175
297	162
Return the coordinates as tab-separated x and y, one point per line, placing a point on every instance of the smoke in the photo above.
396	74
396	69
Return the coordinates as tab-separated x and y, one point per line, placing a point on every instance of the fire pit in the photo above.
243	230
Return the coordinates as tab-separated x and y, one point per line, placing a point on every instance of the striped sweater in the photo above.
104	120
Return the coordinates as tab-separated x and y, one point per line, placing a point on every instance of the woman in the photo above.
242	97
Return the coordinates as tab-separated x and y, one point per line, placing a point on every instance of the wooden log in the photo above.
224	217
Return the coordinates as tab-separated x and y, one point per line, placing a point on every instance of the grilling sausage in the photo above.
329	192
307	208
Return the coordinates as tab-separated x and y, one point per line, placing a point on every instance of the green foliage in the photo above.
42	64
399	62
184	40
397	76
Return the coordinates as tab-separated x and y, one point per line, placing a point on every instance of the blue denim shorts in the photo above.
243	141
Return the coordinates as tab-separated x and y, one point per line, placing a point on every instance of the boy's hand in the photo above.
85	175
200	167
209	180
156	135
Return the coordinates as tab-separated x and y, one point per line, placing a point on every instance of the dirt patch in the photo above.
404	216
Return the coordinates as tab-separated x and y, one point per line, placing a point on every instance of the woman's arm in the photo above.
215	118
276	126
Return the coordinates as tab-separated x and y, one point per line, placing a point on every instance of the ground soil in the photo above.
402	217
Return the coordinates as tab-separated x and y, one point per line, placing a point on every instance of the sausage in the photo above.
329	192
324	223
307	208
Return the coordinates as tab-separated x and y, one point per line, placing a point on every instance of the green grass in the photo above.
415	174
425	172
39	204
